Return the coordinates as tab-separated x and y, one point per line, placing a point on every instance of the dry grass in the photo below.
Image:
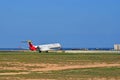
59	66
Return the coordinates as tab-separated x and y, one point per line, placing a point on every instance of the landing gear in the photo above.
46	51
38	49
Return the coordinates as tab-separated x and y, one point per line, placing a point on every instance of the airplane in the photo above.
43	48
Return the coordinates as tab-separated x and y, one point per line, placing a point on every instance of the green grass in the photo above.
61	59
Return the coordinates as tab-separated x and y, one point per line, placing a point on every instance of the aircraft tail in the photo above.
31	46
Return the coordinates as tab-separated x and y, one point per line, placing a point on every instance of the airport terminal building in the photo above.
117	47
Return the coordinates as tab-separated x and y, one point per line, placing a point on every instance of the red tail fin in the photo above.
32	47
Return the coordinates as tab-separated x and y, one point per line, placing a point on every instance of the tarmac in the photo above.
91	51
68	51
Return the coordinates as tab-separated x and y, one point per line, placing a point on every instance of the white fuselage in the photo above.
47	47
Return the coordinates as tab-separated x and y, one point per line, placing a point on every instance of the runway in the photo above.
67	51
90	51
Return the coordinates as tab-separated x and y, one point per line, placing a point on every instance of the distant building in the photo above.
117	47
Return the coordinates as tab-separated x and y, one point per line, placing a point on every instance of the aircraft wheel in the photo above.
39	51
46	51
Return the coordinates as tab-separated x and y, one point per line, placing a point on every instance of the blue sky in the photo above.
73	23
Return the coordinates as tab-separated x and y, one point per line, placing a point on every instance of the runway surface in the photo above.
90	51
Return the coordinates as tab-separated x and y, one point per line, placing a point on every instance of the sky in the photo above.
72	23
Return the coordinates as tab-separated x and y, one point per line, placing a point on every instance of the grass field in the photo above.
59	66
